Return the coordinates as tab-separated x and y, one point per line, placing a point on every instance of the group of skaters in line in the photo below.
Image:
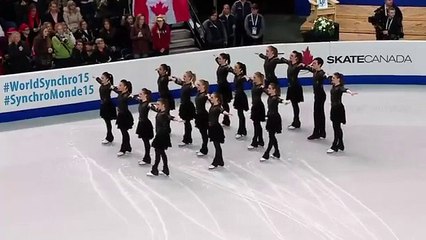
208	121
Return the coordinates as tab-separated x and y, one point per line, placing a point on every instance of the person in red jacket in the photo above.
161	37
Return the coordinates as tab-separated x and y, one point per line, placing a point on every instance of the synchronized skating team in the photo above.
207	121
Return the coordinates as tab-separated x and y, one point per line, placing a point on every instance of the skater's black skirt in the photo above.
337	114
202	120
295	93
241	101
145	129
216	133
124	120
273	124
108	111
162	141
225	90
187	111
270	80
258	112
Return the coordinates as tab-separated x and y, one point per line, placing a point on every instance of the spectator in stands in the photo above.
18	53
141	38
33	21
127	23
381	15
43	50
215	32
53	16
77	56
102	53
392	28
62	47
21	8
69	34
72	16
240	9
50	29
88	53
109	35
3	44
24	29
84	33
254	26
228	21
161	36
88	11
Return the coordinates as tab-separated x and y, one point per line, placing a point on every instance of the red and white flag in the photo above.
173	10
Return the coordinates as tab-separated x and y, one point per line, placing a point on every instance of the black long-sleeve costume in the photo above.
269	67
107	108
337	116
319	99
202	119
224	88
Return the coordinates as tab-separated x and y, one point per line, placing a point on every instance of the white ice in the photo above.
58	182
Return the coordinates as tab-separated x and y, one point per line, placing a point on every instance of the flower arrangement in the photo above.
324	25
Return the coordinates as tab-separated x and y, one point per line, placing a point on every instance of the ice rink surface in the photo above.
58	182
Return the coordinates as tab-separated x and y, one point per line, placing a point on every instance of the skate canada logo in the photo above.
365	59
308	58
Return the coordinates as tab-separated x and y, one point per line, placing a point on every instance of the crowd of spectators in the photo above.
36	35
239	25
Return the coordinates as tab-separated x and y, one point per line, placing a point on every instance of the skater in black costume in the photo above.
294	90
240	100
319	77
273	123
107	108
164	73
186	108
257	110
145	130
337	112
216	134
201	115
224	87
161	140
124	116
271	61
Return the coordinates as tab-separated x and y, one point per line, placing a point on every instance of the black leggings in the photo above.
319	118
125	145
296	112
218	158
338	137
147	157
258	134
242	123
109	136
160	153
187	138
226	121
205	138
272	143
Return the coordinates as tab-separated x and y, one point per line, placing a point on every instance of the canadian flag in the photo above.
173	10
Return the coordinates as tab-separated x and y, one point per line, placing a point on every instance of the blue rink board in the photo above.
93	105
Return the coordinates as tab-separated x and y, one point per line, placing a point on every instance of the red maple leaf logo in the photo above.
159	8
307	56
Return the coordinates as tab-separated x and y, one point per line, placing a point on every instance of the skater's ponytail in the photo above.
227	57
299	57
148	94
204	83
128	85
274	50
109	76
192	76
243	68
167	68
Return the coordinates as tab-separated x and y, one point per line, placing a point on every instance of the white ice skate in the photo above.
105	141
149	174
331	151
262	159
119	154
291	127
250	147
182	144
200	154
141	162
238	136
212	167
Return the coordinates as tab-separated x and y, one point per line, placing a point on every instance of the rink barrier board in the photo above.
94	105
